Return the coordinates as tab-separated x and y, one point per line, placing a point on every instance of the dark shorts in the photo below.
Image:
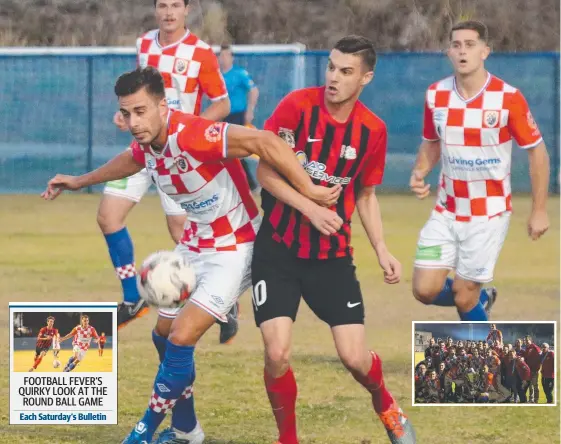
102	346
236	118
38	350
280	280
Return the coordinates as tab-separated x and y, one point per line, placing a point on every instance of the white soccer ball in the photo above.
166	279
56	363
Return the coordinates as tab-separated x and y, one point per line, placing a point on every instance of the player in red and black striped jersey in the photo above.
303	249
102	340
44	341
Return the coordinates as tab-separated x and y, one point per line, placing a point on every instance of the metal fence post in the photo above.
89	157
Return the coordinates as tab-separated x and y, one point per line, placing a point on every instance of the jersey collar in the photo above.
475	96
172	44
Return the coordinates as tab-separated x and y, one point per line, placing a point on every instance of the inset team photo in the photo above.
484	363
46	341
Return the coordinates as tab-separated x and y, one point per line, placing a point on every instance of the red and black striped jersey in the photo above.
352	153
46	331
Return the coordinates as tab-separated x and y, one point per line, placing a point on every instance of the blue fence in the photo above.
56	111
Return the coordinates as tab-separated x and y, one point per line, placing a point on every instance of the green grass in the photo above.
53	251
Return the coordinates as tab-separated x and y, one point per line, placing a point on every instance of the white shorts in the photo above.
470	248
222	277
81	354
135	187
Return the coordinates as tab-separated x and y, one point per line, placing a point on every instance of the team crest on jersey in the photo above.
288	136
150	164
214	132
181	66
347	152
182	164
491	118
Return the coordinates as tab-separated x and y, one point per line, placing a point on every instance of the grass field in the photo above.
52	251
23	360
419	356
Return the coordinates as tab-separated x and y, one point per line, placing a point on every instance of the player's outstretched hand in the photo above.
537	224
119	121
418	186
58	184
391	267
324	196
326	221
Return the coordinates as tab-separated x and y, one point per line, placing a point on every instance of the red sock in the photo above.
282	395
37	362
374	383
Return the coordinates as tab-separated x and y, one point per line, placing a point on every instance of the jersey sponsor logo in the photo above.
214	132
490	118
202	206
317	170
302	158
288	136
174	103
348	152
310	140
181	66
479	163
428	253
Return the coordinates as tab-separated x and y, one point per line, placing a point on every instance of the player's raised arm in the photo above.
69	335
121	166
326	221
271	149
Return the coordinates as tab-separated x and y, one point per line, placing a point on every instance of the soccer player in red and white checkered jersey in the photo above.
304	251
494	335
470	121
190	70
83	335
194	161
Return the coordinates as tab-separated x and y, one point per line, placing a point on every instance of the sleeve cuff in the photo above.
532	145
216	99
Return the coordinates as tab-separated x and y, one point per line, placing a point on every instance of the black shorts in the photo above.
329	287
39	350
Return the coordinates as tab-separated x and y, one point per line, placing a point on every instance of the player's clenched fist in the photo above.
391	267
537	224
418	186
58	184
326	221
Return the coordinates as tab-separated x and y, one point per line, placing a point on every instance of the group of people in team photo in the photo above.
485	371
322	156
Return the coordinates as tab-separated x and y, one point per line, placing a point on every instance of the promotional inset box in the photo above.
63	363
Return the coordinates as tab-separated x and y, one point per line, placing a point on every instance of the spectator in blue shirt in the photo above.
243	97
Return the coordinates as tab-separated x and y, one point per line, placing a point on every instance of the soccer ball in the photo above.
56	363
166	279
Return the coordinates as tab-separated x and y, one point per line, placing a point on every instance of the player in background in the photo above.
339	141
532	356
83	335
548	367
44	341
194	160
56	344
243	95
469	122
494	335
102	341
190	70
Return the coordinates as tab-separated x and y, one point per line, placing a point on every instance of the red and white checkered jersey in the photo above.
193	170
83	337
189	68
476	142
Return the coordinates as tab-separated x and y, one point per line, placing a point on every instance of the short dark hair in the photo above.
225	47
184	1
50	317
360	46
472	25
133	81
